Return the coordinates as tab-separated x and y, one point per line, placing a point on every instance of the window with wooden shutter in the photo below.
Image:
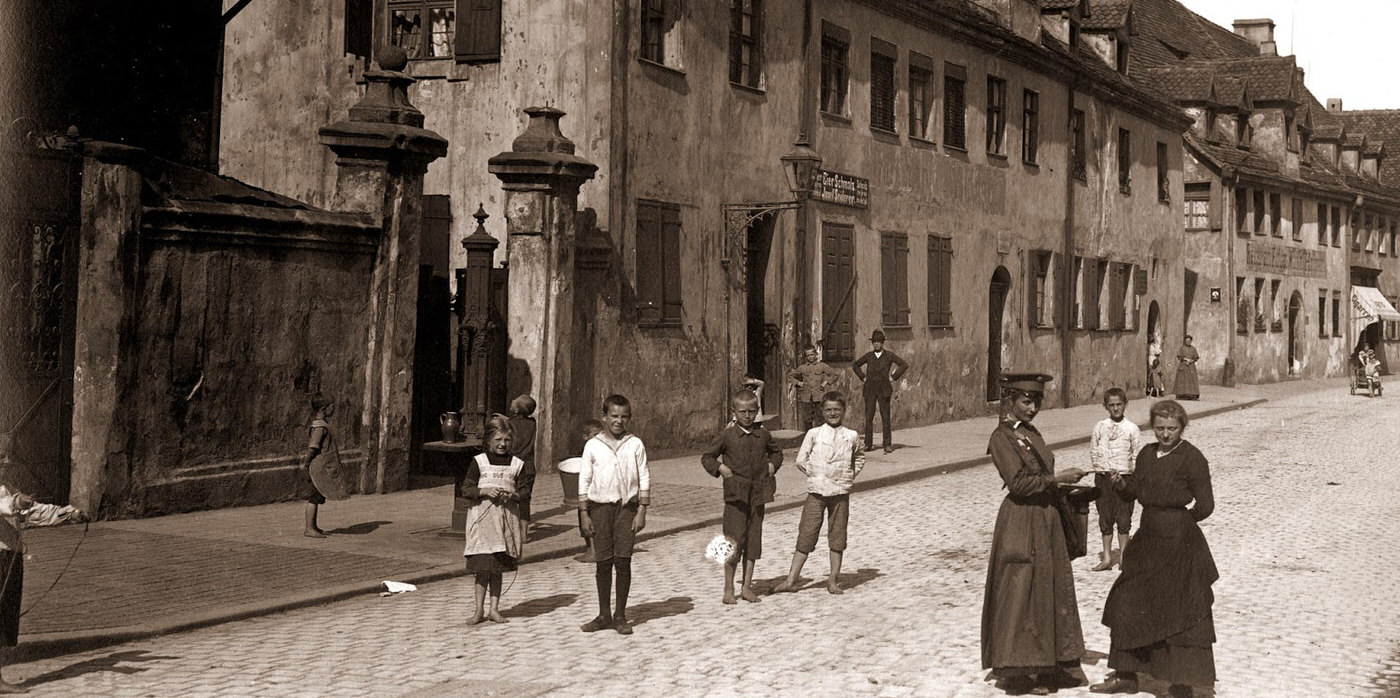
478	31
359	27
1102	281
1242	211
940	284
1259	228
1039	285
1296	225
1163	174
1078	156
1030	126
424	29
1322	314
996	115
835	69
920	95
1336	313
954	106
1125	161
882	85
894	279
838	292
1196	206
1322	236
658	272
1276	214
1217	205
745	32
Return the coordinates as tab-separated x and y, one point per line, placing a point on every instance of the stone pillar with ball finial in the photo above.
382	153
541	177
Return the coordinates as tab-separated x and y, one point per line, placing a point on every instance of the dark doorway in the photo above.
996	307
761	335
1154	318
1295	318
39	223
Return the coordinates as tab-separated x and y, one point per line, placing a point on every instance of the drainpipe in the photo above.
1067	259
1228	186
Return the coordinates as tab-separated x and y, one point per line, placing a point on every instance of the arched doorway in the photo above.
1295	318
1154	341
996	306
760	335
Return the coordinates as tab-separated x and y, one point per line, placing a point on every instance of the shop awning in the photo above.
1368	306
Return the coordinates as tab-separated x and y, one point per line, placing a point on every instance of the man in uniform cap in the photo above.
874	368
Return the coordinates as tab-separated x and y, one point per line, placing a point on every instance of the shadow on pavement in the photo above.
543	531
92	666
358	529
861	576
540	606
654	610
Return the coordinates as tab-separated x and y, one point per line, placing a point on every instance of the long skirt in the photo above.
1159	610
12	569
1186	385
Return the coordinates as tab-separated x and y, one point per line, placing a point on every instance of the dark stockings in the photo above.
624	584
603	576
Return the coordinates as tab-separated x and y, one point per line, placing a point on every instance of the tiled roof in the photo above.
1169	33
1268	78
1353	139
1183	84
1383	126
1232	92
1058	4
1107	14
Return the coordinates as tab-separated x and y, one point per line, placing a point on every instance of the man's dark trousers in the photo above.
872	398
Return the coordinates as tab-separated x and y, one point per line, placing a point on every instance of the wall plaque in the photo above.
842	189
1285	261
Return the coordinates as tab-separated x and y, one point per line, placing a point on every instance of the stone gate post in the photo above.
382	152
541	177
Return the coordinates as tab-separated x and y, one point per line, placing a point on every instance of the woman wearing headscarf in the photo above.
1030	621
1159	610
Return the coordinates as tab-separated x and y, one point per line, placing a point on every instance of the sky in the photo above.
1346	48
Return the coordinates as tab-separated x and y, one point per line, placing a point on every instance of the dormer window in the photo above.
1073	34
1210	124
1288	131
1120	57
1243	133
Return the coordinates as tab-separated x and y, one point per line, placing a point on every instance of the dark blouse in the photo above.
1172	481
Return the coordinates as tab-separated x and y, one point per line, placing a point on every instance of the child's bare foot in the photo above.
313	533
729	599
495	617
475	618
8	688
833	588
747	594
787	586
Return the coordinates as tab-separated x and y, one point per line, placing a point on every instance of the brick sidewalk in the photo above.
137	578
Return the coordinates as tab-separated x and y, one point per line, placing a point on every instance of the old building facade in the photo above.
1288	220
988	195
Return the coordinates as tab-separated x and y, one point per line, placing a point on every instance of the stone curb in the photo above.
47	645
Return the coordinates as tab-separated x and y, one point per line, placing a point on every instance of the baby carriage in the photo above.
1365	375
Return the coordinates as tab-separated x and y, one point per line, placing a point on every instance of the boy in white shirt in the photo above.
831	457
614	488
1113	446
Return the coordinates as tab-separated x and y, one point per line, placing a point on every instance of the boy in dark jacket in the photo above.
746	457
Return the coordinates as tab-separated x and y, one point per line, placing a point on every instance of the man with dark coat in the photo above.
878	368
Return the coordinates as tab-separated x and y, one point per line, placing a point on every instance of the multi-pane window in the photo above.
920	96
423	28
1322	313
882	87
745	30
1030	126
940	281
1078	157
1196	207
1038	304
1276	214
1164	190
954	106
1336	227
1297	223
894	279
1125	160
996	115
835	74
838	291
1322	234
654	30
1336	313
658	264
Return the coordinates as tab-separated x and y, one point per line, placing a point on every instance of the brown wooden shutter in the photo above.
649	264
359	27
1216	207
940	252
887	280
838	291
1032	273
670	247
901	266
478	31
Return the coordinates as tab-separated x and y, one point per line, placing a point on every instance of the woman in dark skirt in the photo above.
1159	610
1186	386
1030	620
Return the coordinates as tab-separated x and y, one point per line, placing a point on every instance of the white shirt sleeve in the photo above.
643	474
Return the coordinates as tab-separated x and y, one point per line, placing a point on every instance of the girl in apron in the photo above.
497	483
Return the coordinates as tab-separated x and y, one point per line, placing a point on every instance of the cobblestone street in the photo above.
1305	490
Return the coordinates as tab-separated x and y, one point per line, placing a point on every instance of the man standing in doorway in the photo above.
878	369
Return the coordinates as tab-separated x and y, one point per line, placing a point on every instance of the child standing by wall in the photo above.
522	442
614	488
1113	446
812	380
831	457
322	446
746	457
497	482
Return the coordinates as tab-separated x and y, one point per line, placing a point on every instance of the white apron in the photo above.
492	527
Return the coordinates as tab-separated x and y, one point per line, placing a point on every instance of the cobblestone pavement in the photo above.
1305	606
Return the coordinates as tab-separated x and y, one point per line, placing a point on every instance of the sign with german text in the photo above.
1285	261
842	189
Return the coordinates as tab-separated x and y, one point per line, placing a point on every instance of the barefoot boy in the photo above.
614	487
749	460
1113	446
831	457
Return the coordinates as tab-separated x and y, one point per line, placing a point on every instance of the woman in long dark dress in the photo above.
1030	620
1159	610
1186	387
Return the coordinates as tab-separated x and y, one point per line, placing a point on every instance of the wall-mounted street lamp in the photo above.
800	166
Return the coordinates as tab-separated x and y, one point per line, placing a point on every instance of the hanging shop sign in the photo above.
1285	261
841	189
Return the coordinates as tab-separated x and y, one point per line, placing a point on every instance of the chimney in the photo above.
1259	31
1334	105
